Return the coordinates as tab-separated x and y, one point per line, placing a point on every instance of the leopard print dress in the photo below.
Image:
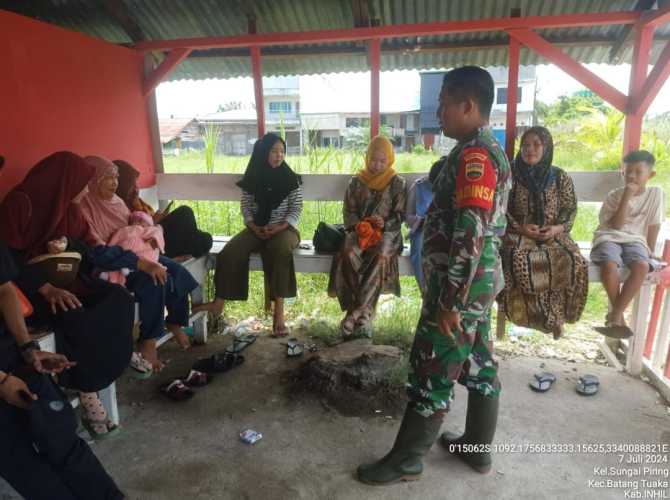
546	283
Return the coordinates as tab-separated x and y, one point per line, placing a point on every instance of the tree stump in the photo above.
356	377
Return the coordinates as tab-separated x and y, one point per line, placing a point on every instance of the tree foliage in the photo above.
566	108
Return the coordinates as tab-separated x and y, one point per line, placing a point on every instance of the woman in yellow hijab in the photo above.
367	265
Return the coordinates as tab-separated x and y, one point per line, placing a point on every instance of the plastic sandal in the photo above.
176	390
347	325
294	348
614	331
197	379
142	368
241	343
89	425
219	363
542	382
587	385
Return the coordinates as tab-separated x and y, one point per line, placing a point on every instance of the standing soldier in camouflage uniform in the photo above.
462	266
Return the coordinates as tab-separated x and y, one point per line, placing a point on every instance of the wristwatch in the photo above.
33	345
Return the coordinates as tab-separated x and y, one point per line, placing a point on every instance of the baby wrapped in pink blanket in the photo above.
142	237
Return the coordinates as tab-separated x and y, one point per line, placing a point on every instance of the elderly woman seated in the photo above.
546	277
165	284
92	319
367	265
271	207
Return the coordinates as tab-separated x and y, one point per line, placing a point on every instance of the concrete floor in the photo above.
191	450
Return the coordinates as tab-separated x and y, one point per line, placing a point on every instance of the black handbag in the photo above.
328	238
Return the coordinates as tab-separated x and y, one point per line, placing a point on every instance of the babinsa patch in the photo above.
474	165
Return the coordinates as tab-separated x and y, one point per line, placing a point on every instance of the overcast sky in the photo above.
349	91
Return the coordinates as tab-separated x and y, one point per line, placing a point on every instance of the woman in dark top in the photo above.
183	239
35	415
271	206
92	319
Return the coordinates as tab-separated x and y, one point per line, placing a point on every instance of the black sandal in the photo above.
219	363
241	343
176	390
542	382
197	379
587	385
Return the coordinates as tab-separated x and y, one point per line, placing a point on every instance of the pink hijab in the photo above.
104	216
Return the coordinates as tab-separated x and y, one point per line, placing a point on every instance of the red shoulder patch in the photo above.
476	179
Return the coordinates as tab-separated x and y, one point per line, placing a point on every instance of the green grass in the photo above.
397	317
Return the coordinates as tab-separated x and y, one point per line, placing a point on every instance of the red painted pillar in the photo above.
656	308
374	48
258	89
638	74
512	95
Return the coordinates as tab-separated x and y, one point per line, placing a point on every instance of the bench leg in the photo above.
661	347
199	323
108	398
500	323
639	327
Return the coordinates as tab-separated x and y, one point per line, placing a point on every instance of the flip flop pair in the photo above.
219	363
240	344
180	389
294	348
587	385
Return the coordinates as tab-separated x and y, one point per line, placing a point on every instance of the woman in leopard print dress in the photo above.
546	277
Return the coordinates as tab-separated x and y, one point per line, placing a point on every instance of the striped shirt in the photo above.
288	211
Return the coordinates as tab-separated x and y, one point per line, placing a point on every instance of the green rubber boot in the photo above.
480	427
403	463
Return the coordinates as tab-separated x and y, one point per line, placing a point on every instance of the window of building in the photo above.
357	122
280	107
502	95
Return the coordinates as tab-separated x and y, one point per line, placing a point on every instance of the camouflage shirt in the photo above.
464	225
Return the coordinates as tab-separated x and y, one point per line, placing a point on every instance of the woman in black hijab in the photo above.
546	277
271	207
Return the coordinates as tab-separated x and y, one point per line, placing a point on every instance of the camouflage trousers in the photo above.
438	360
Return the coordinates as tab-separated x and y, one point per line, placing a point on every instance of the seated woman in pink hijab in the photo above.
106	213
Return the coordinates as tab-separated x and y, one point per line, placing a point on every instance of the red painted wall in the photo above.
61	90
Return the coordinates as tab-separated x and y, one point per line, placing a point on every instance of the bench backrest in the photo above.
590	186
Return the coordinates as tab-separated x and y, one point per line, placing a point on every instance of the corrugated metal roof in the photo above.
171	19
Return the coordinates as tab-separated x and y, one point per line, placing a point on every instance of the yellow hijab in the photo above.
379	181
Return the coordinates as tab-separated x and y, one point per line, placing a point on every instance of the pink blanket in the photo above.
145	242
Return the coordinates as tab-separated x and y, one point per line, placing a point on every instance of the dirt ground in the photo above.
310	451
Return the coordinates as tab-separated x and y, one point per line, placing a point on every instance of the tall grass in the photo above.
396	317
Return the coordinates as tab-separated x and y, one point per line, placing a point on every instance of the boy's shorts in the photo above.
624	254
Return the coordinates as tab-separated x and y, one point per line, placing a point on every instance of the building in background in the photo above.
331	129
431	83
180	133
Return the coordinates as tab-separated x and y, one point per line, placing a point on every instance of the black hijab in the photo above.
538	178
270	186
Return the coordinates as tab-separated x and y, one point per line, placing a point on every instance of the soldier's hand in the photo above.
449	322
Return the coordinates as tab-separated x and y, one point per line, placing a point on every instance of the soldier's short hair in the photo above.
471	82
640	156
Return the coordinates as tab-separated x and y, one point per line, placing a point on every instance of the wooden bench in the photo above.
589	186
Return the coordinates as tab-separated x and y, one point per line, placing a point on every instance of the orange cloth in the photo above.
369	234
26	306
379	181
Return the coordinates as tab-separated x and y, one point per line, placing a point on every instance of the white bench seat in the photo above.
47	341
589	187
